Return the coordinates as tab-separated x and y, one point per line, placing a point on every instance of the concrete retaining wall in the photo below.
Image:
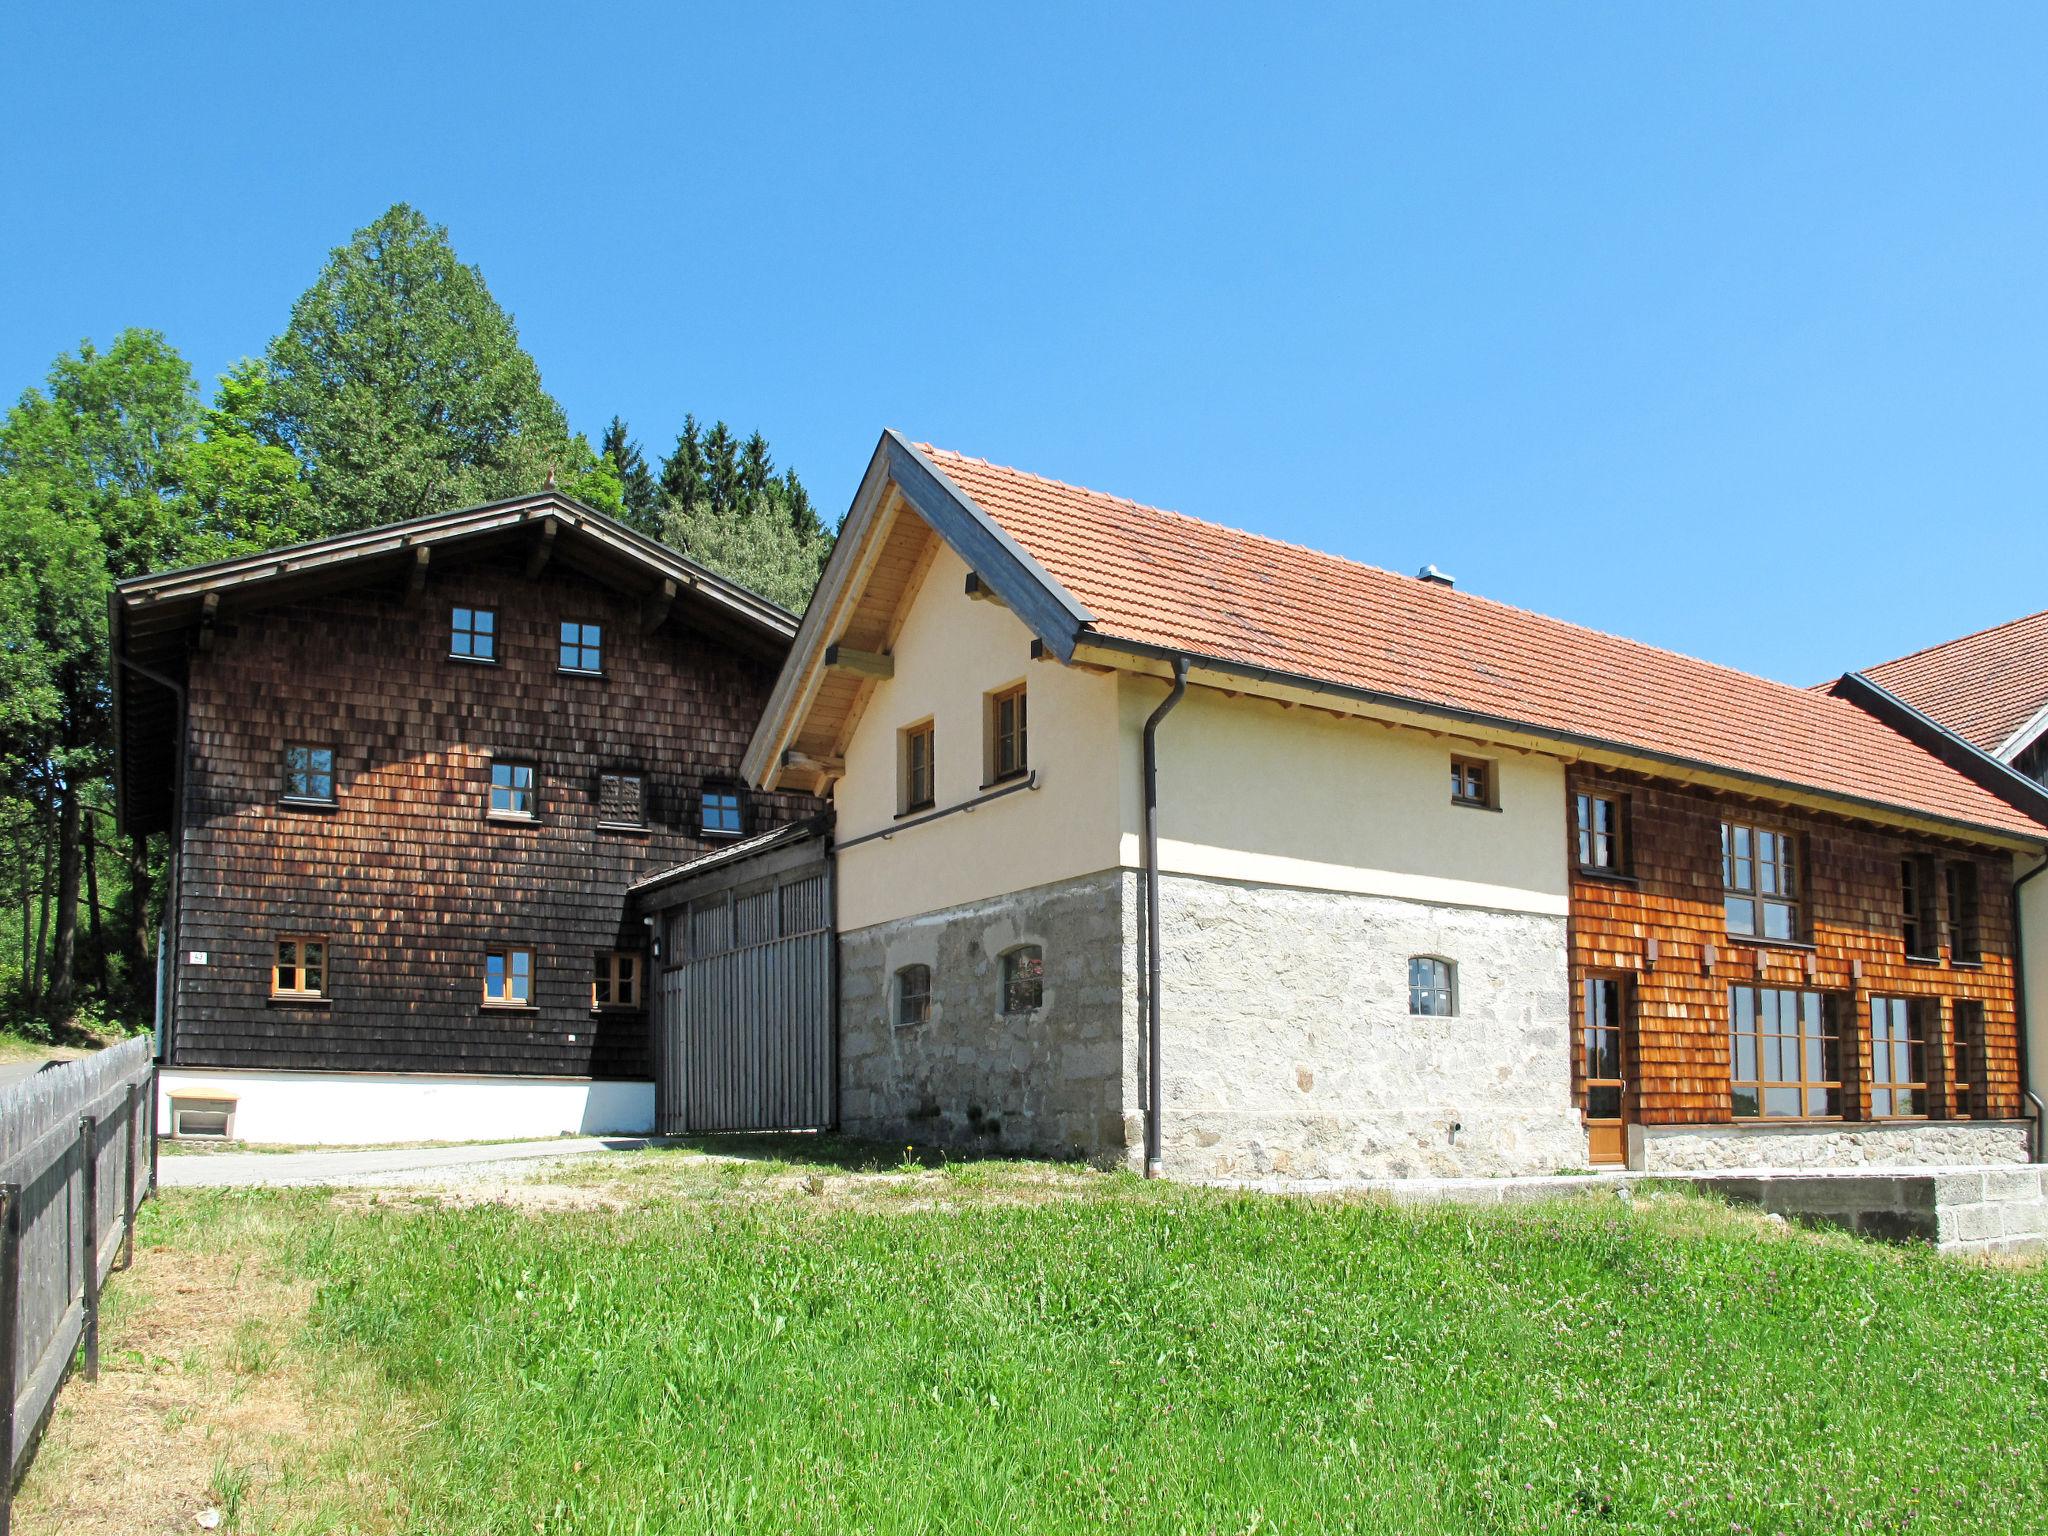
1984	1210
1918	1144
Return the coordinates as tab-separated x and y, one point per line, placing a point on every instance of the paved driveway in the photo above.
415	1165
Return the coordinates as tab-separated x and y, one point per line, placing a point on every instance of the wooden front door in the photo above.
1603	1085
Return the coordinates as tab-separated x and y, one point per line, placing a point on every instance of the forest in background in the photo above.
397	388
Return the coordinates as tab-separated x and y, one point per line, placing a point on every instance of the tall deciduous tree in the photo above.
401	387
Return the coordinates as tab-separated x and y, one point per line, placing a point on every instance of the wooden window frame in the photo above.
1962	887
1791	865
1587	838
287	797
1424	989
911	1007
513	764
1464	771
1968	1090
300	991
504	999
1618	1027
1900	1063
1920	921
908	801
1805	1084
582	640
1009	746
614	970
639	821
457	630
722	789
1017	987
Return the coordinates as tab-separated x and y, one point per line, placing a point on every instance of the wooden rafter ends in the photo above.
543	549
209	616
844	658
416	573
656	606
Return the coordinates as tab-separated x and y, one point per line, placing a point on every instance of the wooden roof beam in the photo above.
209	616
543	550
416	572
655	606
844	658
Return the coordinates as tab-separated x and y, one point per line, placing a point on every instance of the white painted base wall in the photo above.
351	1108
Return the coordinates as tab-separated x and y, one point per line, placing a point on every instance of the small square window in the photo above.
301	968
473	634
916	759
621	799
1472	782
582	648
508	978
309	773
722	810
513	789
913	994
616	981
1024	979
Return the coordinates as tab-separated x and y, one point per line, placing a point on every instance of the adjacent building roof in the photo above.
1144	581
1990	688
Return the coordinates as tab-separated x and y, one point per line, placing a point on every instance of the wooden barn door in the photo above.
744	1040
1603	1053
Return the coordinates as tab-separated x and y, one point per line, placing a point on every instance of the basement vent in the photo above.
1435	577
204	1119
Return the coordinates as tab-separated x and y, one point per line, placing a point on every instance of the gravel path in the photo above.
387	1166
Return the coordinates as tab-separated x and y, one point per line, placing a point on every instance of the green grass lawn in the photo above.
1001	1347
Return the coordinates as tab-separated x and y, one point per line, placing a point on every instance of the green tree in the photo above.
401	388
682	472
638	490
243	491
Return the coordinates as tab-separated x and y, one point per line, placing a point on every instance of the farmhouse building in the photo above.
1154	840
407	775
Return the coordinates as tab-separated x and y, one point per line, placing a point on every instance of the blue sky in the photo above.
1722	327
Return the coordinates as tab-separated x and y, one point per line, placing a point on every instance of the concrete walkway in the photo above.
413	1165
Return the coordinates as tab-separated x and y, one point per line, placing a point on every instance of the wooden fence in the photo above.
77	1159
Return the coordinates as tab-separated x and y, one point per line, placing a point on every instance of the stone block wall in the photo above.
1915	1144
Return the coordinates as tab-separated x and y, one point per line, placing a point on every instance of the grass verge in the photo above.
672	1343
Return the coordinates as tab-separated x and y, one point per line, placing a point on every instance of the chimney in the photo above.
1435	577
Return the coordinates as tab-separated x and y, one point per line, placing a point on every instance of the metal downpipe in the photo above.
1155	1094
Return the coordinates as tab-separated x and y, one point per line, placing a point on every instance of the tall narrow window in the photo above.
1965	943
1968	1084
1898	1057
513	789
508	978
1784	1054
309	773
301	968
615	981
1918	924
1760	871
913	994
915	750
1024	979
473	634
1472	782
722	810
1600	1069
1599	832
621	800
582	648
1432	987
1007	755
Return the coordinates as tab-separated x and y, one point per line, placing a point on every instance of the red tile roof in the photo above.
1164	579
1983	687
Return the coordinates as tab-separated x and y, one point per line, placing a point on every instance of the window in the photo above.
1007	757
1760	871
1599	831
914	994
621	800
1916	894
722	816
301	969
1965	944
1784	1054
616	982
1471	782
209	1119
914	749
309	773
1968	1083
1024	979
582	648
1432	987
473	634
508	978
1600	1072
1898	1057
513	790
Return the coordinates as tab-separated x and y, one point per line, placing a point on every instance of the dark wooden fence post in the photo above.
89	1242
10	1340
128	1175
154	1128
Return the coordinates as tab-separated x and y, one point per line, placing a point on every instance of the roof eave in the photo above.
1990	773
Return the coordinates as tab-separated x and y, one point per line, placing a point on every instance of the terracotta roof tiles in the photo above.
1984	687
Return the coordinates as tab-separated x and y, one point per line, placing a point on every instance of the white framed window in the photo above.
515	789
508	978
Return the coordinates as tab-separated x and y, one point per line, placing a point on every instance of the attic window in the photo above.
582	647
723	816
621	800
1472	783
473	635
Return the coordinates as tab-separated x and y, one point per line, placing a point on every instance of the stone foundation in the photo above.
1996	1210
1916	1144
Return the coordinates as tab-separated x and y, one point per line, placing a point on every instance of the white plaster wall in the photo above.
1923	1144
1252	791
339	1109
951	653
